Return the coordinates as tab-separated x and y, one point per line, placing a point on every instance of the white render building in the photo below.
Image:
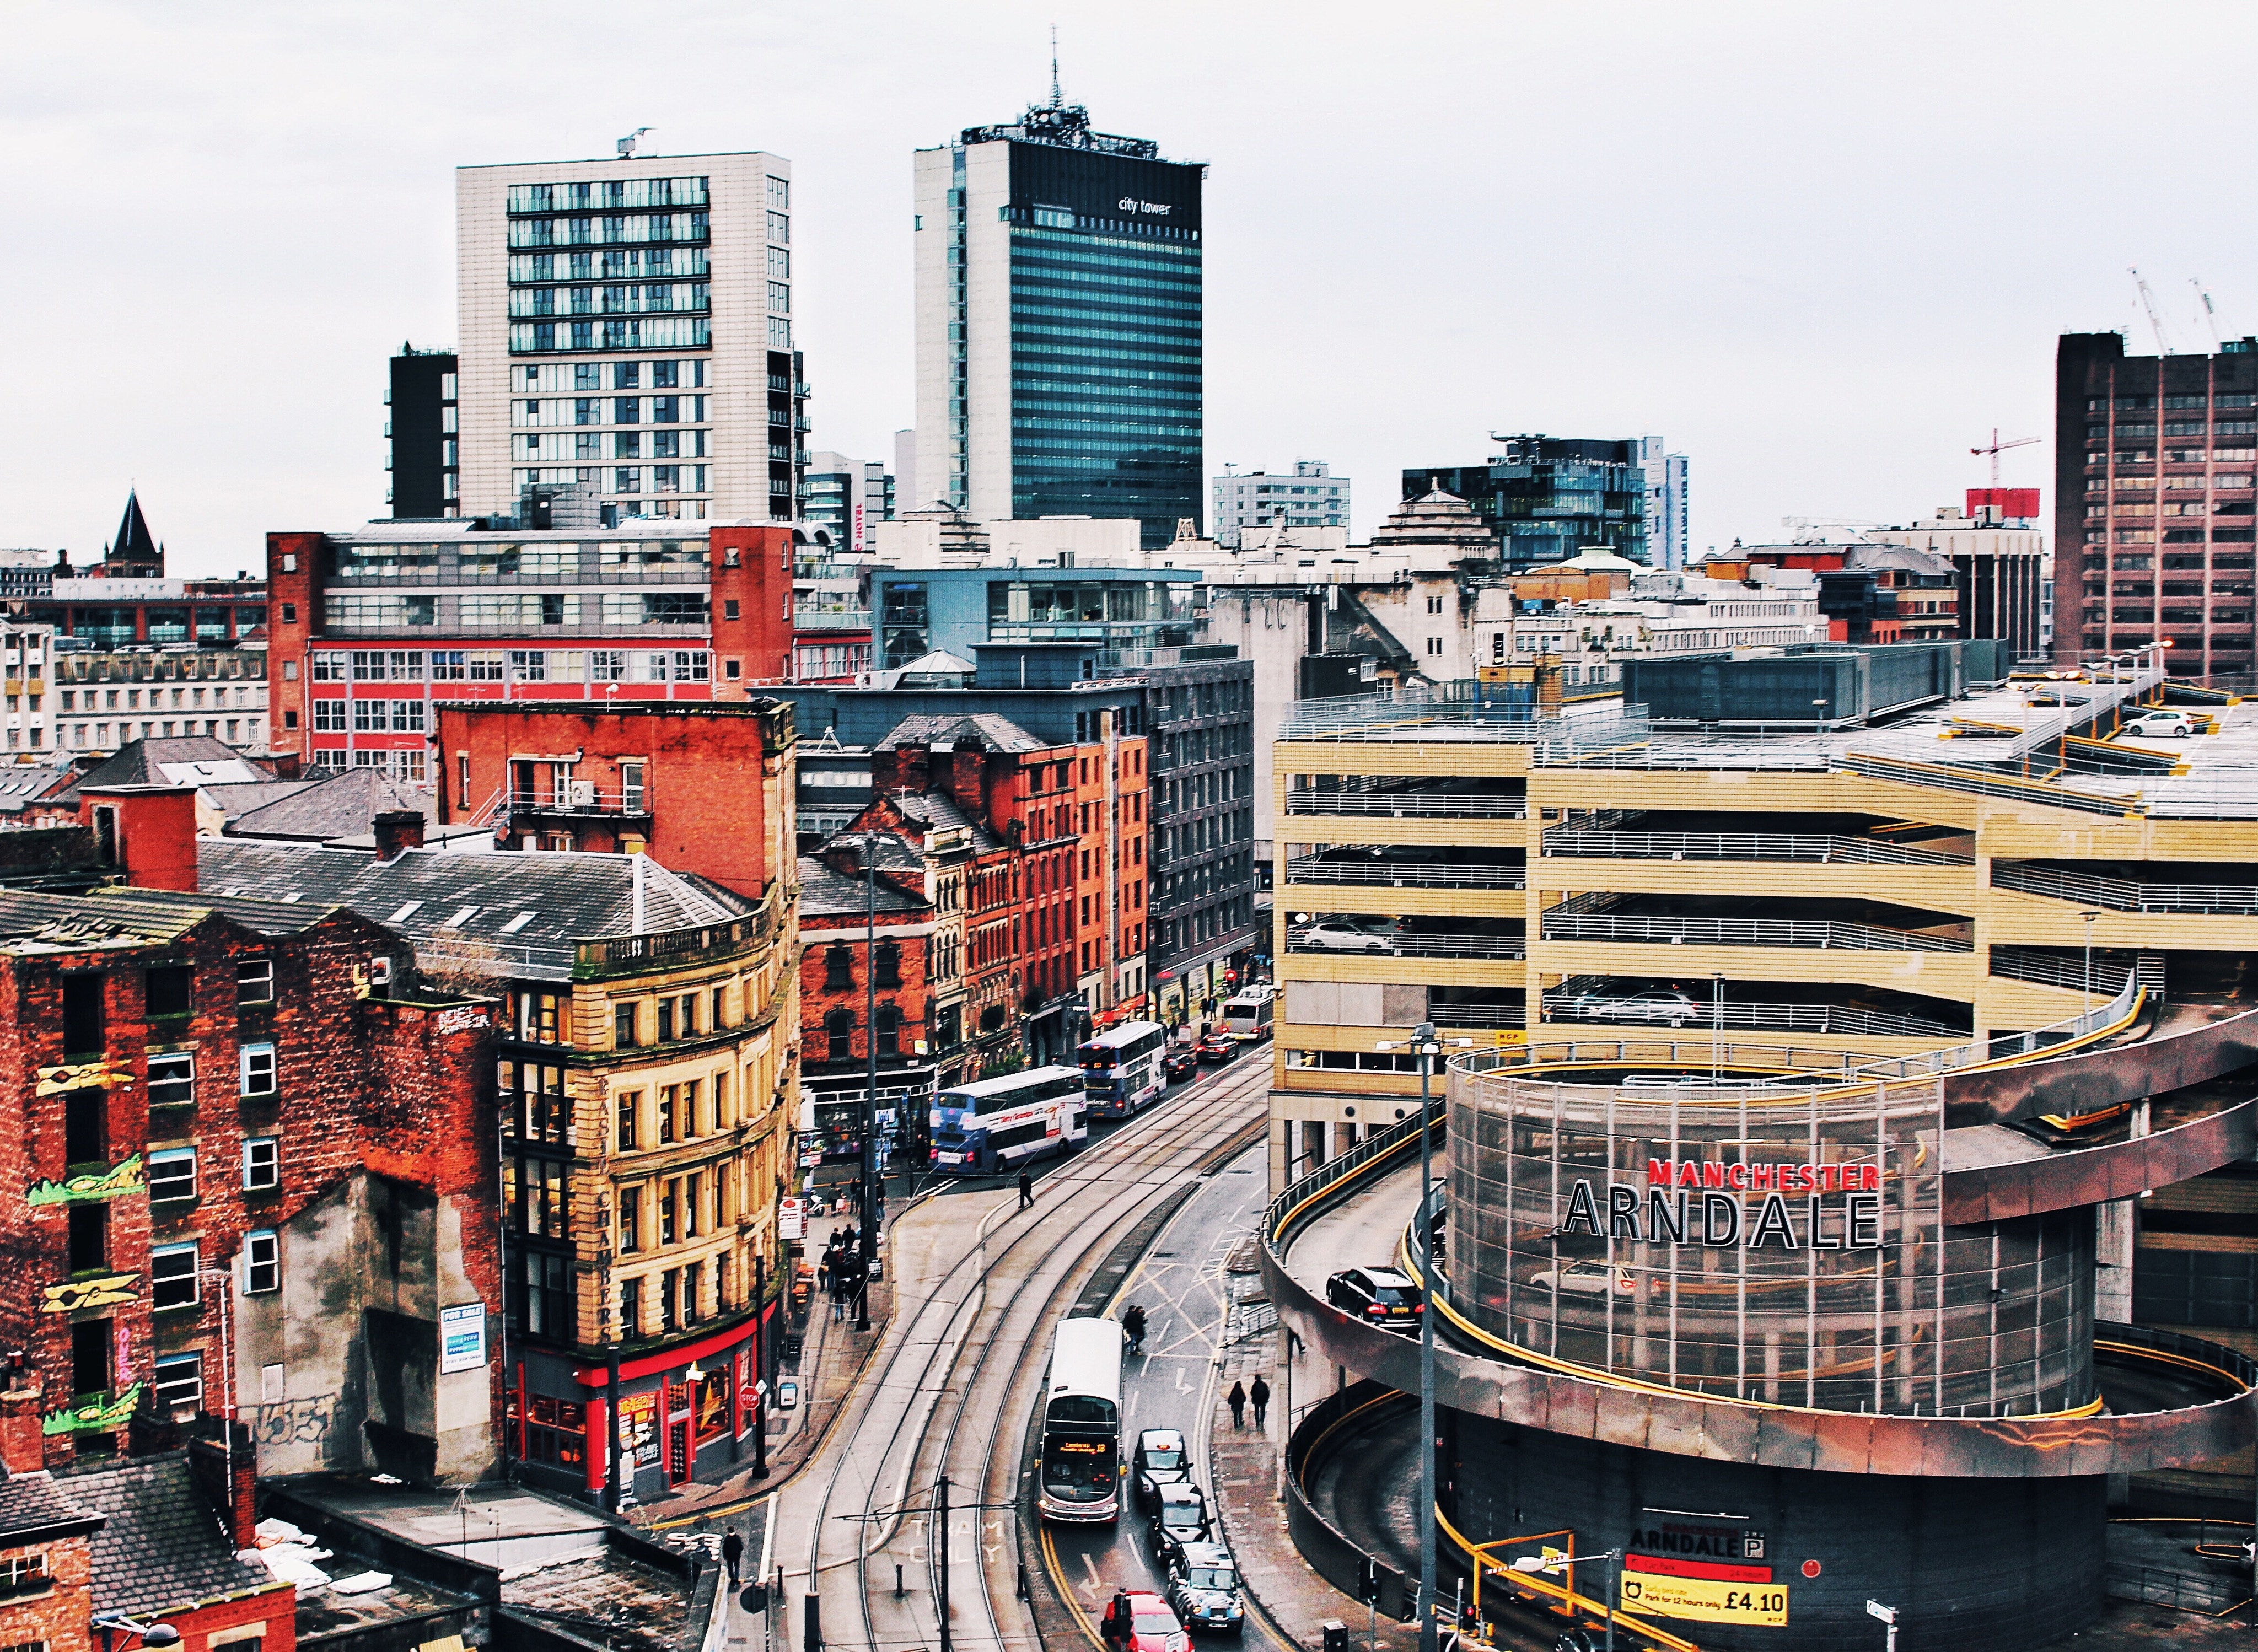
627	324
1666	503
1311	497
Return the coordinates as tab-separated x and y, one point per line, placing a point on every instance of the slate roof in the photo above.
160	1547
235	799
510	913
33	922
938	811
186	760
21	787
33	1502
340	806
134	542
984	729
824	893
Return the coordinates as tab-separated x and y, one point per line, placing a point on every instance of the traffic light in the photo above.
1368	1579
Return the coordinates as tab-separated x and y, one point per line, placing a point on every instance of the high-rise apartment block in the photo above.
1667	491
1548	497
2154	511
1311	497
844	497
627	324
1059	337
423	452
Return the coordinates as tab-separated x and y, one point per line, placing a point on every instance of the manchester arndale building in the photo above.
1058	325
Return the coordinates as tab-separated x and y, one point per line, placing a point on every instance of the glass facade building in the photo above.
1549	497
1060	360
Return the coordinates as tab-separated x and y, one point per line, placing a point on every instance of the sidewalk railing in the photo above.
2050	969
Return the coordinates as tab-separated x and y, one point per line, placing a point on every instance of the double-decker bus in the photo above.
997	1123
1079	1477
1121	1068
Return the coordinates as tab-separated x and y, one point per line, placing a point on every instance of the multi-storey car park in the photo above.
1868	1191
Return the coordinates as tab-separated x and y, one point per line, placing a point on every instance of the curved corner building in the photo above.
1798	1315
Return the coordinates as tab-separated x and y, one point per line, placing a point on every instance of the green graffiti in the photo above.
122	1177
93	1414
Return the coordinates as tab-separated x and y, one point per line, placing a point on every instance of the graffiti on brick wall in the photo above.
305	1421
89	1187
461	1020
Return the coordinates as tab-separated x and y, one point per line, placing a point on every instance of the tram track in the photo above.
968	1348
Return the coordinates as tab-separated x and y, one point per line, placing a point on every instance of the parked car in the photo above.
1217	1046
2165	725
1584	1279
1179	1064
1662	1007
1380	1295
1160	1459
1138	1621
1335	934
1179	1517
1204	1589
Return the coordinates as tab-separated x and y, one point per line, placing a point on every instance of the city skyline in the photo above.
1955	259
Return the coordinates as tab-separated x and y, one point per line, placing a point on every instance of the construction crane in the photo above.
2148	304
1999	447
2209	316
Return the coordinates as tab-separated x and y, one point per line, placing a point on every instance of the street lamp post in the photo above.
1427	1047
1558	1562
2089	918
870	1187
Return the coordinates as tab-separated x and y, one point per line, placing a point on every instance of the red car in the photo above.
1138	1621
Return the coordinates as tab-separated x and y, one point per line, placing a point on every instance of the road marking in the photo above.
1097	1583
1182	1387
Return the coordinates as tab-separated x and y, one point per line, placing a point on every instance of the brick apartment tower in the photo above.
2154	504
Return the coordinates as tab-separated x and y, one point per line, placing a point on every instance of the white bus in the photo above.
1248	1017
1121	1068
997	1123
1079	1477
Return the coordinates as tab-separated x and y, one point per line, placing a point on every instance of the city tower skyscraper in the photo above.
1058	325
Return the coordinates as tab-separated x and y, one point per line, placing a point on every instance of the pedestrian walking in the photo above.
1133	1326
733	1550
1026	1191
1259	1393
1237	1400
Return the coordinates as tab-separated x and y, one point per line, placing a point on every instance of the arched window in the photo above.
890	964
888	1026
839	1033
838	969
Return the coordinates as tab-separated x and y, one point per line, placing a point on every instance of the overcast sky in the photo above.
1821	249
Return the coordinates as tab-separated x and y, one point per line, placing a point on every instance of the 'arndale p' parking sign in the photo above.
1803	1206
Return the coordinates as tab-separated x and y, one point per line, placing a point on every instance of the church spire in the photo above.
135	547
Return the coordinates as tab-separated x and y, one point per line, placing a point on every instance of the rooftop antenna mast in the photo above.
2148	304
2210	314
1055	83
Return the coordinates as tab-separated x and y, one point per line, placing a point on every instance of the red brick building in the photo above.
218	1104
674	780
369	630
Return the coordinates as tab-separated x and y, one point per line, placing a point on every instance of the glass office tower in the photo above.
1058	325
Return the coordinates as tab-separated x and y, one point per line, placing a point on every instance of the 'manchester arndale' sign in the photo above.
1841	1206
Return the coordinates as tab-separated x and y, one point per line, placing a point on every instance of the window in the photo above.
542	1197
89	1237
167	989
687	1013
665	1020
1434	645
262	1163
630	1103
172	1081
255	1074
623	1026
720	998
262	1260
668	1201
839	1035
24	1575
254	981
631	771
172	1174
630	1220
888	1026
889	964
181	1389
630	1309
173	1280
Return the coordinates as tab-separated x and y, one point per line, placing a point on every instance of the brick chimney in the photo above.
236	1500
148	831
398	830
22	1446
967	774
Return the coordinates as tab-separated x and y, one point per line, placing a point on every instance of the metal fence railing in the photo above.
1408	805
1310	868
2122	895
1478	1015
1823	934
1755	1017
1739	845
2051	969
1415	945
